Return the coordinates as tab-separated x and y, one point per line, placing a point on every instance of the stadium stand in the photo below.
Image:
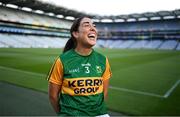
169	44
153	44
158	34
30	41
126	44
19	16
20	29
25	29
139	44
178	47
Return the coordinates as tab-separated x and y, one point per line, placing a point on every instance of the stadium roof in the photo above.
45	7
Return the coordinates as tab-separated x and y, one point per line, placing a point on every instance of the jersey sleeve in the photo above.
107	73
56	73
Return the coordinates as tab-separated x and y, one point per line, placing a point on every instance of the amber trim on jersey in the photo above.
56	73
107	73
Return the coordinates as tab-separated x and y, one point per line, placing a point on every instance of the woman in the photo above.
79	78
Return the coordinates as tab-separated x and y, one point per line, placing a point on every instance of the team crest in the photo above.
98	69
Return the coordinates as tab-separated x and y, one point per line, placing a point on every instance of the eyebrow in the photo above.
87	23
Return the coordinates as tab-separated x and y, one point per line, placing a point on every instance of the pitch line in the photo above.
168	93
116	88
136	92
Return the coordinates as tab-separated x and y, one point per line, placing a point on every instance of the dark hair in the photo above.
71	43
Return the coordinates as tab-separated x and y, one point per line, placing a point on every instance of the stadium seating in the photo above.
178	47
169	44
153	44
140	26
158	34
154	34
126	44
19	41
116	44
14	15
139	44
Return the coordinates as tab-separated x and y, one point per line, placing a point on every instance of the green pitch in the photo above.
144	82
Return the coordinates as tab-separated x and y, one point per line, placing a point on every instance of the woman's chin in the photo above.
93	44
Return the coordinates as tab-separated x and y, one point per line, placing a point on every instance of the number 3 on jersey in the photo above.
87	69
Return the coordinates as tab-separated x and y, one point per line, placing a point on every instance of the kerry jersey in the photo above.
81	80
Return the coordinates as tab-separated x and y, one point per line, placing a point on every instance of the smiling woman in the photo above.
79	78
84	38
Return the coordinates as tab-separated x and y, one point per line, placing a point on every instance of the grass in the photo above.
146	71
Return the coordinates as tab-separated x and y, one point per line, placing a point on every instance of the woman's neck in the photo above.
83	51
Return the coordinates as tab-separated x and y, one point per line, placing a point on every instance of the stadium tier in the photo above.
22	29
30	41
19	16
170	44
157	34
153	25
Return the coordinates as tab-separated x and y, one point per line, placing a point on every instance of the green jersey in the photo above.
81	79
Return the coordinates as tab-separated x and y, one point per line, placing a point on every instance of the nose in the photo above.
92	28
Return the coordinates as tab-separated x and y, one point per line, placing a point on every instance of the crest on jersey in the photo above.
98	69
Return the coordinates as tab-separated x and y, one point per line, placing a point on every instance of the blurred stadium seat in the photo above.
22	29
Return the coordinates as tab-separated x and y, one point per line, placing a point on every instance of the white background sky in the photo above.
117	7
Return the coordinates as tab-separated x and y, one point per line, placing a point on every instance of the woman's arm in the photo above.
105	88
54	90
106	76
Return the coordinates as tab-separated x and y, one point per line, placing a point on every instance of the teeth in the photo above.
92	35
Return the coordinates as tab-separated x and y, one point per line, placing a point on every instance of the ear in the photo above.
75	34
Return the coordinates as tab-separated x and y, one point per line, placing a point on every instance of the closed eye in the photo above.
94	25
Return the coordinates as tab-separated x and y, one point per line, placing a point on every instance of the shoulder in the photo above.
99	55
67	54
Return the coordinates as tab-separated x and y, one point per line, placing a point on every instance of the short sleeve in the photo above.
107	73
56	73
